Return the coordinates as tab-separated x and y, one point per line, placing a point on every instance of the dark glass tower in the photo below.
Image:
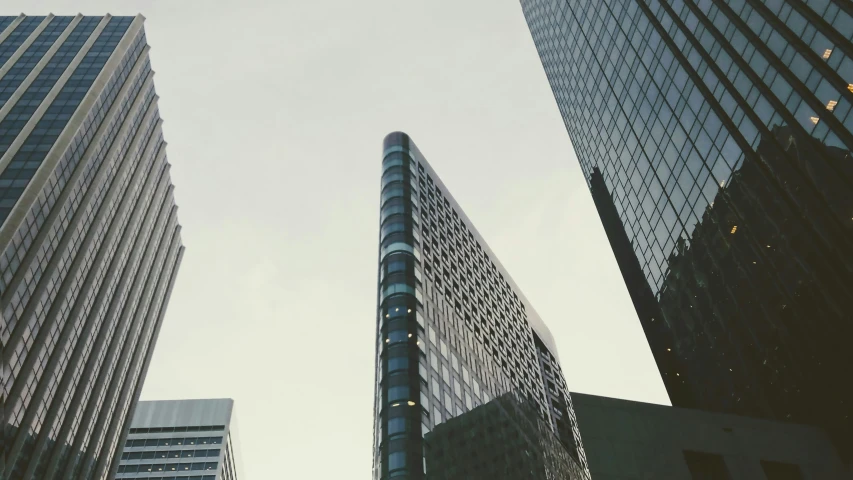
504	439
453	329
716	137
89	239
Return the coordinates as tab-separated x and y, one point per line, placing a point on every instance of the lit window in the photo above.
734	229
827	53
850	87
831	105
814	120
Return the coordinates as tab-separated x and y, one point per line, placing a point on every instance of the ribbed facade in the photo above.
716	138
453	329
181	440
89	241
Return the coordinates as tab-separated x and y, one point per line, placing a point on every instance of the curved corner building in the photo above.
716	138
89	239
453	329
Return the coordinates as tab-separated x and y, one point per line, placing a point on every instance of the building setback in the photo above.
89	239
715	137
181	440
453	329
633	440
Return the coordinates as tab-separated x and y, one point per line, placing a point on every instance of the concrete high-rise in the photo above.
453	329
181	440
89	240
715	136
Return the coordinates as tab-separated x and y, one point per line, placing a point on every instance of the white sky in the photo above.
275	113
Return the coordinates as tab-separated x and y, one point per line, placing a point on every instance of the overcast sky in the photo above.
275	113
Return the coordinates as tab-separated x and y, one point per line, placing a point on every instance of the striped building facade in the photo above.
89	241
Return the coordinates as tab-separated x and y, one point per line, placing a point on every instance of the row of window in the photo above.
170	454
173	477
205	428
166	467
166	442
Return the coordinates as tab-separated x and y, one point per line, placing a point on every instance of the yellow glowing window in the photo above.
734	229
827	53
831	105
850	87
814	120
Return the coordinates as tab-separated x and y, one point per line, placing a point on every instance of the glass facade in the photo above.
89	239
716	137
453	329
504	439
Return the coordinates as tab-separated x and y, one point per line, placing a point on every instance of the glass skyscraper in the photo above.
453	329
89	240
715	136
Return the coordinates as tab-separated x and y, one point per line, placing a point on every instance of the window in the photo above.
706	466
781	471
397	336
398	393
396	425
397	363
396	460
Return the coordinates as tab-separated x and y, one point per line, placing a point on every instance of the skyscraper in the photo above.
453	329
89	241
716	136
181	440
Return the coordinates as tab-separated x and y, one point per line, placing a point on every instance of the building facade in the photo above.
504	439
453	329
89	239
629	440
716	137
181	440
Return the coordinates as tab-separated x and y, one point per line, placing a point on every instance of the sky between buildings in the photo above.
274	114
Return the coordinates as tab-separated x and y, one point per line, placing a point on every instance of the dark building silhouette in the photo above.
635	440
716	140
89	239
504	439
453	329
